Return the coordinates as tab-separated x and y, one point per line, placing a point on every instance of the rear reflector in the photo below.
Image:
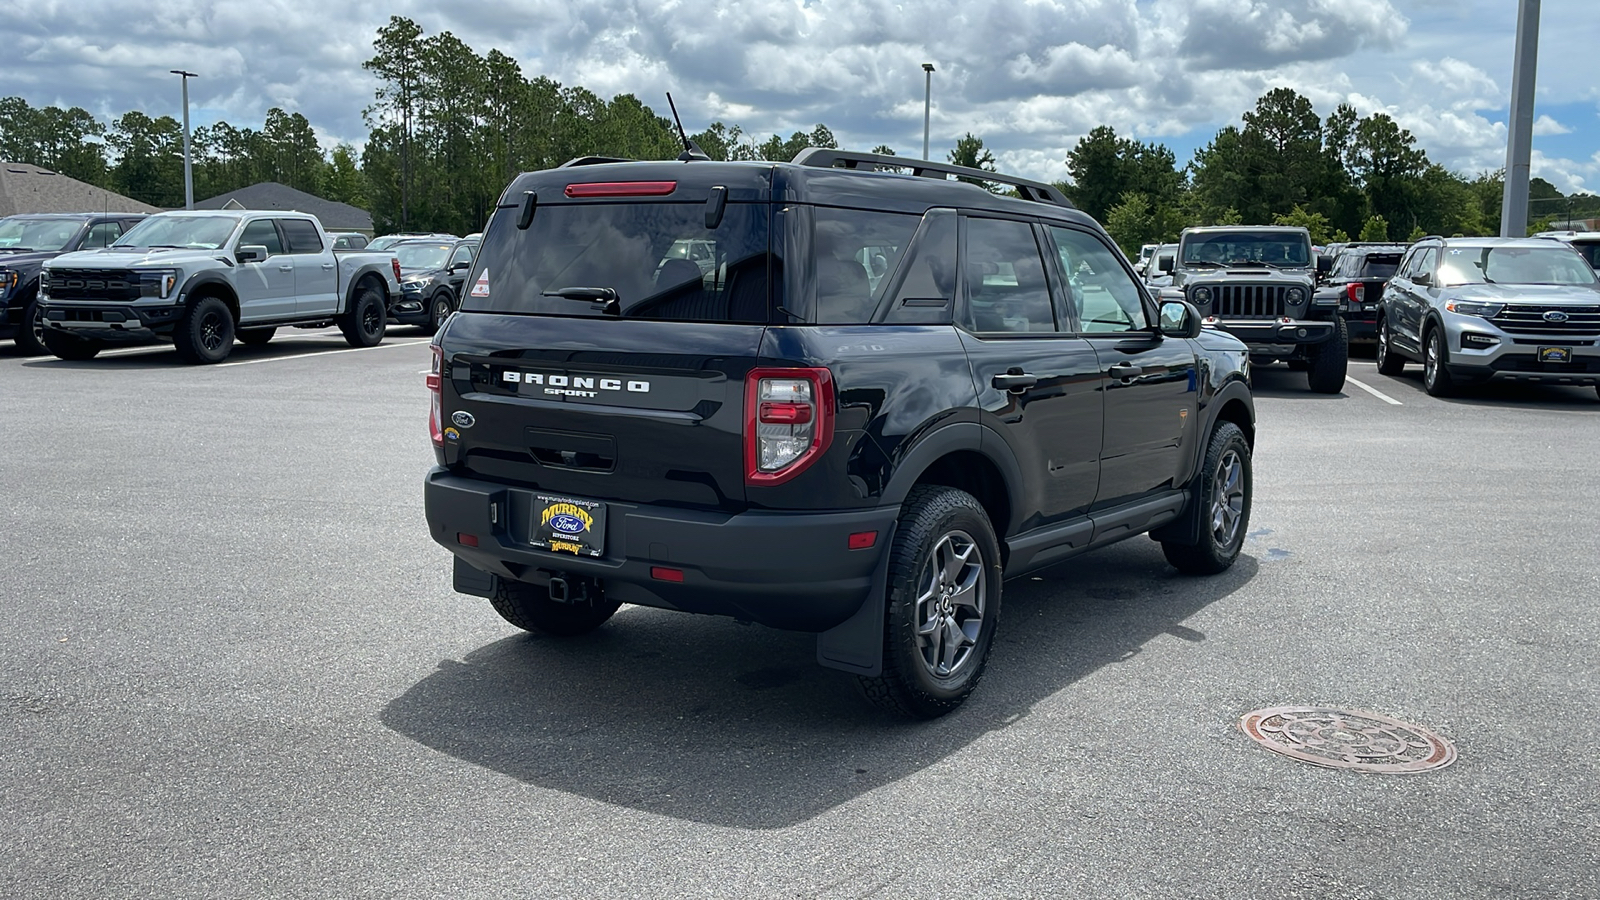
785	413
861	540
662	573
466	540
622	189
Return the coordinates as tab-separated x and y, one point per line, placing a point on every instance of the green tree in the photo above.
1282	140
396	62
149	155
969	152
1104	168
1133	223
1316	223
1376	229
344	181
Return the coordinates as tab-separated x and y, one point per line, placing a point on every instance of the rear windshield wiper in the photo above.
606	299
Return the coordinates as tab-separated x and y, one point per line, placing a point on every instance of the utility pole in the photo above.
1519	140
188	169
927	105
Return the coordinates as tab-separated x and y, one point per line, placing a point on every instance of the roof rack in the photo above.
824	158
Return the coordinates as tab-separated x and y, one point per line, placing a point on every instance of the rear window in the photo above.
1380	265
660	259
1589	250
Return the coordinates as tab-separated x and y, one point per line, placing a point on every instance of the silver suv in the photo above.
1475	309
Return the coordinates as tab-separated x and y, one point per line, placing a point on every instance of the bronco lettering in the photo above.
573	385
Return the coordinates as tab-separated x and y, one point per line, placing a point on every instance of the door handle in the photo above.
286	268
1014	380
327	265
1126	370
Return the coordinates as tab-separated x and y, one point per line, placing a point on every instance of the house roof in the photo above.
335	216
26	188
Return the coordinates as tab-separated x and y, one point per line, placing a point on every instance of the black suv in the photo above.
1355	281
27	242
884	393
431	276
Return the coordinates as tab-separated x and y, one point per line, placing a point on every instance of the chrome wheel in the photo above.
1227	499
1382	353
950	608
441	311
36	326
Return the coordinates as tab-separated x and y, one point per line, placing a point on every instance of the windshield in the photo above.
659	261
422	256
188	232
1513	265
1282	249
17	233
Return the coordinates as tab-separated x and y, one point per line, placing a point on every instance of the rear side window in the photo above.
660	259
302	235
1589	250
855	253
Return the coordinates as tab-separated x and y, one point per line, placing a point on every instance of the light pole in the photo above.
1519	140
927	104
188	171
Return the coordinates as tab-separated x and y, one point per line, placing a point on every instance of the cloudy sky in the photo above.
1028	76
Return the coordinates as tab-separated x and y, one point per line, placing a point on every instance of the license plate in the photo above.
1555	354
568	525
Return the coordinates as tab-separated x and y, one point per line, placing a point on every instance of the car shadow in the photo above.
709	721
162	356
1280	382
1503	394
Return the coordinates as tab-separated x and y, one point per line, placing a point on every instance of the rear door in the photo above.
316	275
1151	400
1038	384
595	365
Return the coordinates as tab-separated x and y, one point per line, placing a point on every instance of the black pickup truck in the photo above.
27	242
881	393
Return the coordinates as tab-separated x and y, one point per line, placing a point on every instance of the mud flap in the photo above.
856	644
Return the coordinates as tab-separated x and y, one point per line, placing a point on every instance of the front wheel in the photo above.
363	324
30	331
1436	378
439	309
1389	362
205	332
1224	492
65	346
1329	360
530	608
943	599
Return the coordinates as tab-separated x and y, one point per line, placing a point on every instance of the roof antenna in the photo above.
691	150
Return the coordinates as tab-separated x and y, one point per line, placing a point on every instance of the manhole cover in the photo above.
1348	739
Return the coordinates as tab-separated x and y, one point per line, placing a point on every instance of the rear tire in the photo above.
363	324
30	331
1225	491
256	337
530	608
1389	362
1329	361
204	335
65	346
1436	378
943	599
439	309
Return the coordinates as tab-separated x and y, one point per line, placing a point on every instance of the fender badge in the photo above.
463	418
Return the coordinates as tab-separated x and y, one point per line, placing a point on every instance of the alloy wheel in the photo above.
211	328
950	609
1430	360
1227	500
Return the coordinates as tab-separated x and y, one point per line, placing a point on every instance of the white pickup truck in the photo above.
200	279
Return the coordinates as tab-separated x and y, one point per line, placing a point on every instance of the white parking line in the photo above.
251	362
1374	392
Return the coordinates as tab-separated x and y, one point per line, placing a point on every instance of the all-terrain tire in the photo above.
30	331
204	334
943	604
1224	492
1436	378
65	346
529	607
256	337
1329	361
363	324
1389	362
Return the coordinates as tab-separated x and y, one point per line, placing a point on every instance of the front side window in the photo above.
182	232
644	254
463	254
263	233
1103	297
1006	287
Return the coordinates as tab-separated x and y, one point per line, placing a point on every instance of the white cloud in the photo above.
1544	125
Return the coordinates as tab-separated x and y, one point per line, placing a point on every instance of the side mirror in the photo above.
1179	319
1164	264
1324	265
459	267
1422	279
250	253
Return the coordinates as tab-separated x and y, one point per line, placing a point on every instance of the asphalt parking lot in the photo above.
234	667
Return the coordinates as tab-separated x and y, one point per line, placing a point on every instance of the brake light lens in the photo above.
788	422
436	412
622	189
394	263
1356	292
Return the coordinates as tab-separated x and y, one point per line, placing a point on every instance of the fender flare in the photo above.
974	437
209	279
369	270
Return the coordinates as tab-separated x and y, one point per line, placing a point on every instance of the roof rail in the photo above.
824	158
591	161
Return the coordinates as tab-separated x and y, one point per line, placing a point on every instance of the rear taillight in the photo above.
394	263
788	422
436	413
1356	292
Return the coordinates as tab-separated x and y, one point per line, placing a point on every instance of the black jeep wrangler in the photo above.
880	394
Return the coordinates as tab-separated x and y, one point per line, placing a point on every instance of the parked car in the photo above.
1355	280
1158	272
1473	310
431	276
776	440
1587	243
1257	283
201	278
388	241
348	240
26	243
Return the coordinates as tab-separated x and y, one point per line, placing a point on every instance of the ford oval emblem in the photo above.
567	524
1556	315
463	418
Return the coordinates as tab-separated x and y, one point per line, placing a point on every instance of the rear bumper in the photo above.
783	569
